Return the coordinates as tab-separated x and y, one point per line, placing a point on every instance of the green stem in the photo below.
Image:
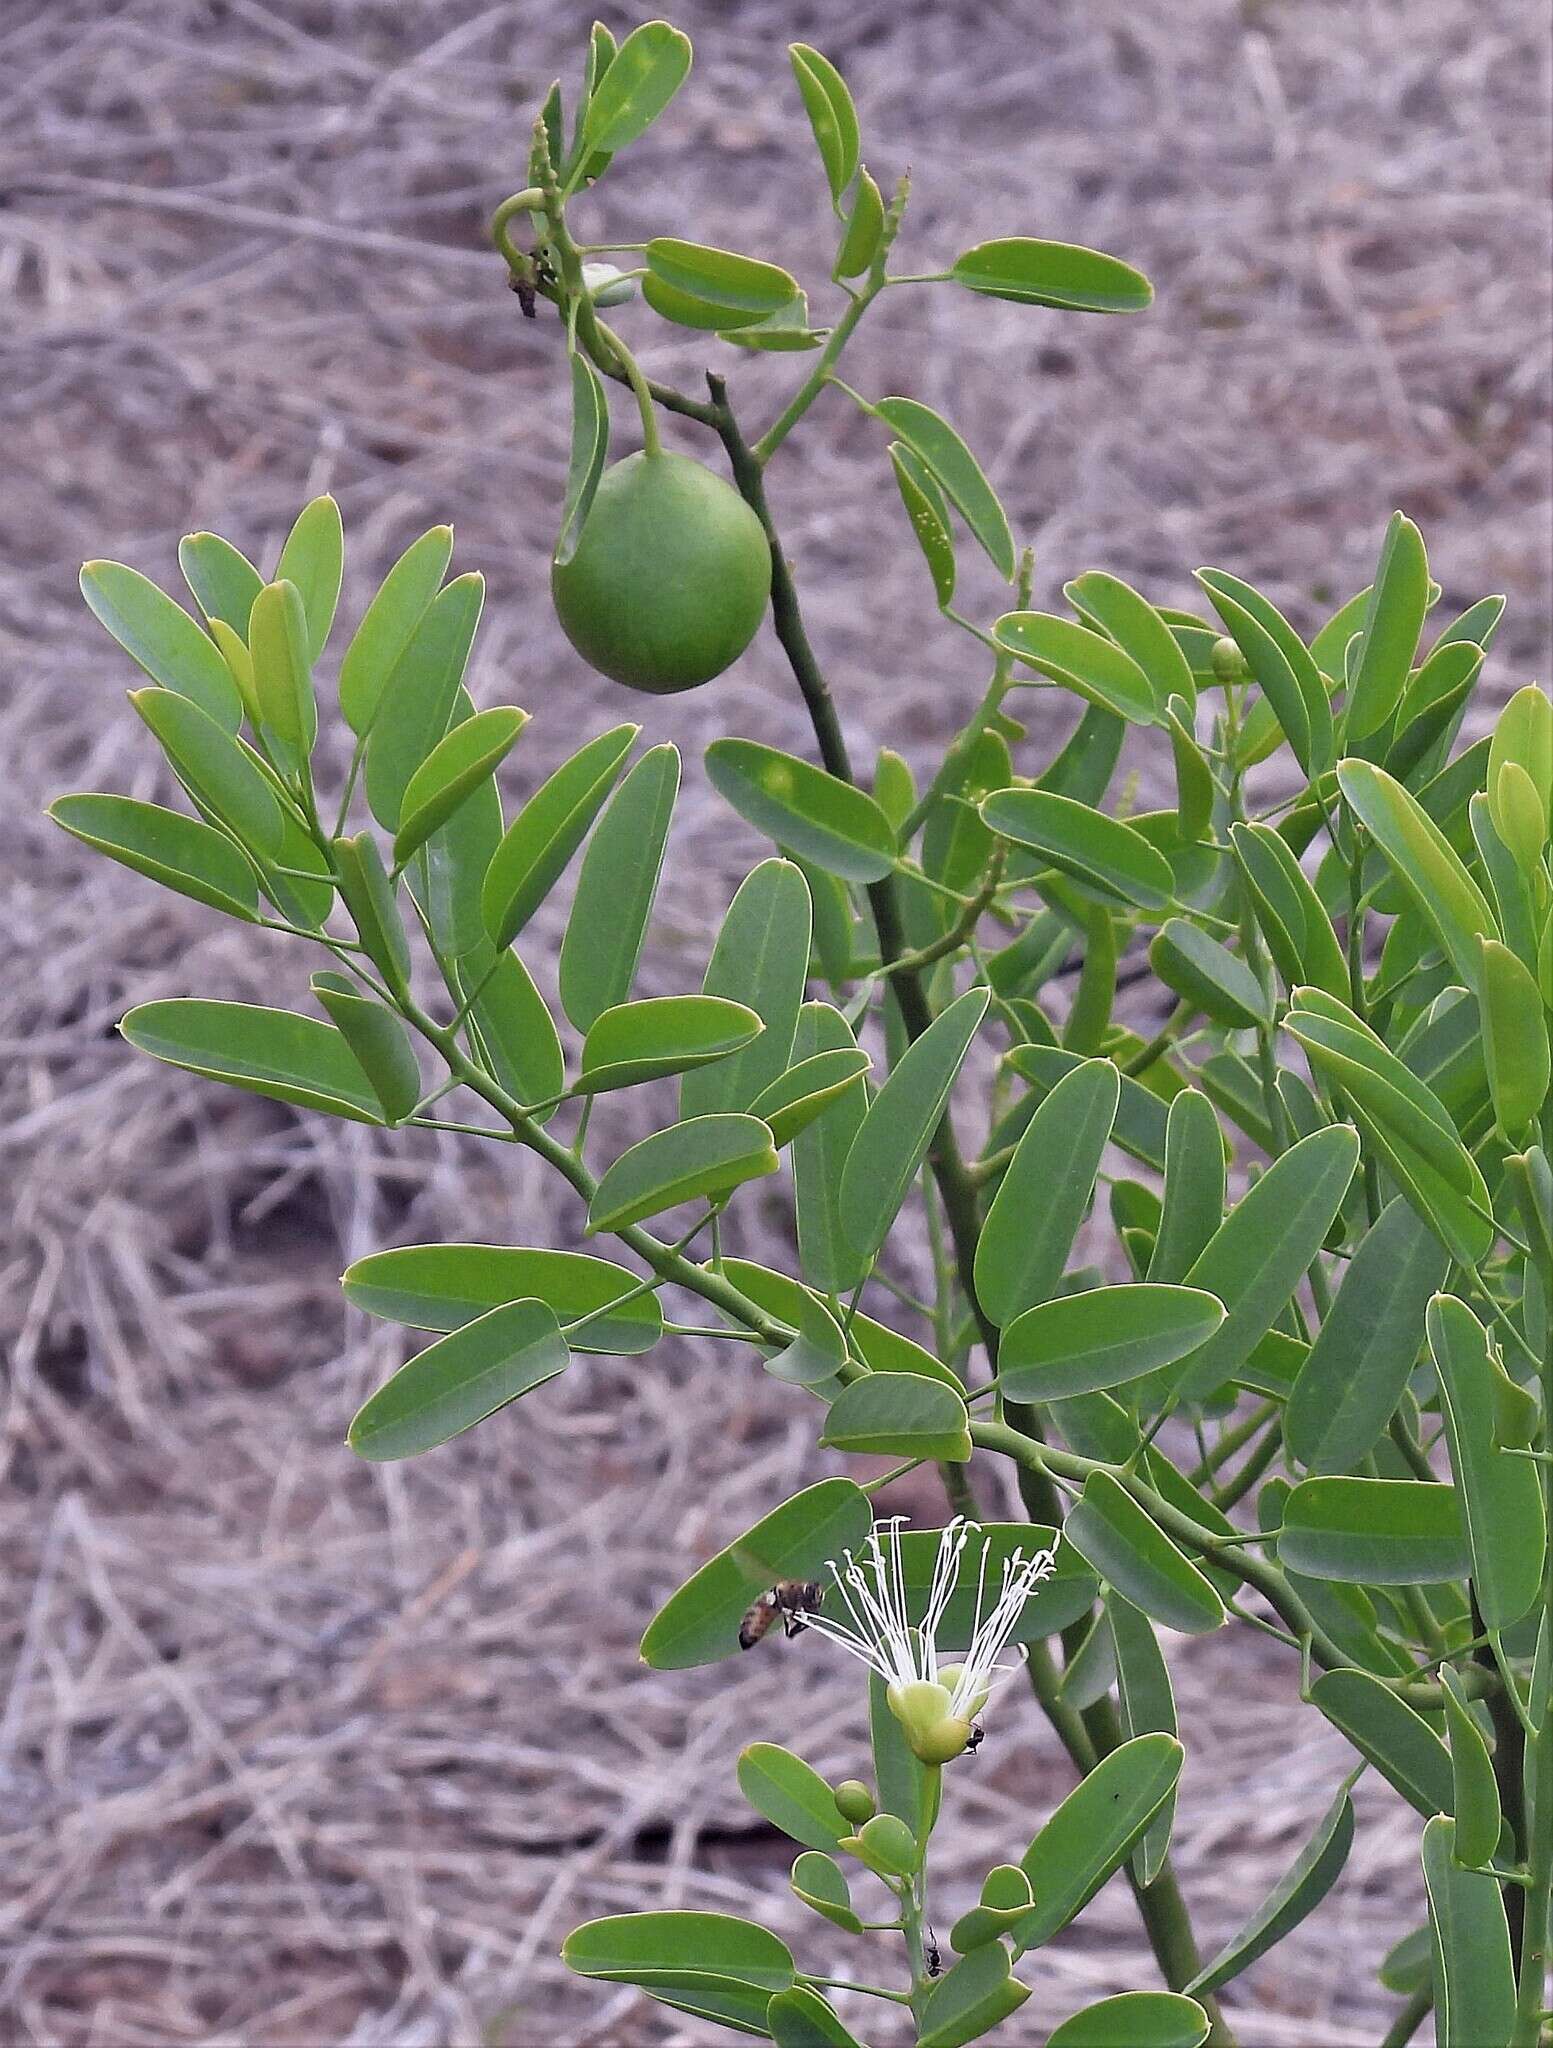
1410	2018
957	1189
639	387
840	335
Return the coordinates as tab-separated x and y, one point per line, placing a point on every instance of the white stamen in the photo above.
877	1627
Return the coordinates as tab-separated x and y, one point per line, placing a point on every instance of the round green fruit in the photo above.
670	576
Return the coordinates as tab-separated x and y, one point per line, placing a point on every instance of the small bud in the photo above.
854	1801
1228	663
607	285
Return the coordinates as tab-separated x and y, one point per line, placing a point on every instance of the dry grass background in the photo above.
297	1751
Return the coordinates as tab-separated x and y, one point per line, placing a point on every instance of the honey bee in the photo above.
791	1599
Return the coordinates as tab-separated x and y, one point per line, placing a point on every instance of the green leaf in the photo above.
1431	875
1045	1193
826	1256
817	1354
864	230
899	1415
1262	1250
740	287
1388	641
1285	670
1147	1706
958	473
1500	1495
1140	1123
216	769
1132	1553
875	1344
800	2018
1297	1893
705	1159
369	897
1475	1802
807	1090
162	639
313	562
1523	738
1474	1977
1374	1532
972	1998
647	71
1104	855
1209	976
636	1042
183	854
1385	1730
445	1286
1094	1831
708	1964
929	518
1193	1206
1143	2019
894	1136
1060	274
791	1795
615	889
378	1038
700	1623
221	579
1355	1373
831	113
837	827
278	1053
415	704
548	831
388	625
462	759
1515	1040
1005	1900
1138	629
1082	661
514	1036
1408	1964
460	1380
761	959
1405	1120
448	872
278	641
590	447
784	331
1082	1343
819	1880
1292	918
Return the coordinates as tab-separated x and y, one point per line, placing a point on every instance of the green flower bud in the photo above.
855	1802
1229	664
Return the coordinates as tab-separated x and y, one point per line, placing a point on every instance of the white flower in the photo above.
935	1701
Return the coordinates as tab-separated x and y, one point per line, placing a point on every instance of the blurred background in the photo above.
298	1751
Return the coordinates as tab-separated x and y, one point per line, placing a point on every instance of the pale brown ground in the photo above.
295	1751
